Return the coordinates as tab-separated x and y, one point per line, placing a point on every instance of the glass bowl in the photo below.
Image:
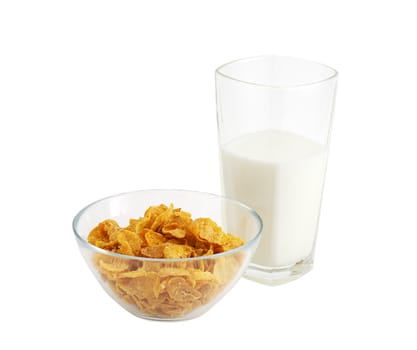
174	288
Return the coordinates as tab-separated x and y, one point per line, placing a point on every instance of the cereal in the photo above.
175	287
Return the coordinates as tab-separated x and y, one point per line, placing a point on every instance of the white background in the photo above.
102	97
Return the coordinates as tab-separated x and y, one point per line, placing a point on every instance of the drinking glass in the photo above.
274	118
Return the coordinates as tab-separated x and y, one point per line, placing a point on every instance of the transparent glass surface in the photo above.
274	119
168	289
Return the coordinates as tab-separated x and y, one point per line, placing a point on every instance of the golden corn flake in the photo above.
174	288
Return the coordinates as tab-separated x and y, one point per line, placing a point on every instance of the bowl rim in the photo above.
243	247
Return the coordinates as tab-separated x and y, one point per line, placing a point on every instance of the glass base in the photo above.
274	276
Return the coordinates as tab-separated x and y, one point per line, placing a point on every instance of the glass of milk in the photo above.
274	118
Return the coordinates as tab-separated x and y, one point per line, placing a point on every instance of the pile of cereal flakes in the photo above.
172	288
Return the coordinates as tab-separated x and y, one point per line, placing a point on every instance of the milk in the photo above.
281	176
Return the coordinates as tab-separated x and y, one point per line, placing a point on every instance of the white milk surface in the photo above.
281	176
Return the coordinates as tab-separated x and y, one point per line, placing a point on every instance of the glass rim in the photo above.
334	74
243	247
